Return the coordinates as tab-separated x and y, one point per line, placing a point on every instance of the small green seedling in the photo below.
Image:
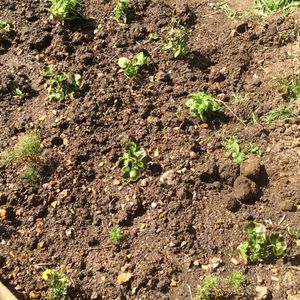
31	173
280	113
120	10
153	36
233	149
27	151
178	40
295	233
292	87
20	94
266	7
61	84
5	29
133	161
65	9
254	149
57	282
220	288
260	246
235	279
226	9
115	234
131	67
205	290
202	106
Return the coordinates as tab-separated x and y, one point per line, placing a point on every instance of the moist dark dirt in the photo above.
182	214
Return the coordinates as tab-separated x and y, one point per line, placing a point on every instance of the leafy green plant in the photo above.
120	10
259	245
115	234
61	84
280	113
31	173
65	9
266	7
254	149
133	161
178	40
295	233
233	149
131	67
5	29
202	105
213	287
153	36
57	282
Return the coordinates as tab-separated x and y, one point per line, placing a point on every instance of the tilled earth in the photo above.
184	213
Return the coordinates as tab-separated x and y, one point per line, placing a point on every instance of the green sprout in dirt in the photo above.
61	84
295	233
65	9
213	287
5	29
280	113
120	10
131	67
226	9
233	149
27	150
153	36
20	94
178	40
260	246
115	234
292	87
57	282
254	149
133	161
31	173
202	106
266	7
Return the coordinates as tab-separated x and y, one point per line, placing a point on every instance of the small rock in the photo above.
245	190
124	277
169	177
194	155
287	205
94	296
262	292
251	168
294	297
3	214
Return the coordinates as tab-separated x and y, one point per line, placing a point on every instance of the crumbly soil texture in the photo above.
183	219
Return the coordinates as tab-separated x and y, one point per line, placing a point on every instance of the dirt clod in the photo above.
245	190
251	168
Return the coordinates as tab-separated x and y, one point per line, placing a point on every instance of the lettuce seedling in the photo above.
57	282
233	149
259	245
31	173
254	149
5	29
116	234
120	10
131	67
133	161
178	40
61	84
65	9
202	106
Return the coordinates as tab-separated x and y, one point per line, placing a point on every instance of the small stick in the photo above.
190	291
225	104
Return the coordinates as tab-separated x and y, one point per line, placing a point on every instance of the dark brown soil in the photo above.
177	224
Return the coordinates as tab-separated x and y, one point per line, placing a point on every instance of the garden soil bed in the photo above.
181	215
